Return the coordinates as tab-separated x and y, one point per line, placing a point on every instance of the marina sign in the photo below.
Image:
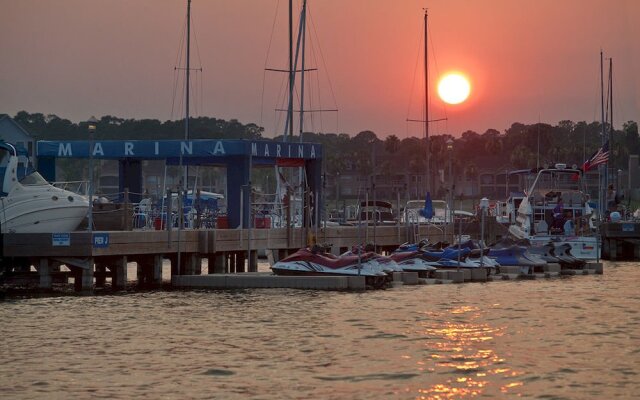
150	149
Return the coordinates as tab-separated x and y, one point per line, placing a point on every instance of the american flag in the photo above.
599	157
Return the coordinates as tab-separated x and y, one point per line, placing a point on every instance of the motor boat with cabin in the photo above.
376	213
556	195
507	211
415	212
316	261
30	204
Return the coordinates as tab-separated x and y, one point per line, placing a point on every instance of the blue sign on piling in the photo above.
60	239
628	227
100	240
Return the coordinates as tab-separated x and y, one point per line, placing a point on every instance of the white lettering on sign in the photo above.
219	149
97	149
186	147
128	149
65	150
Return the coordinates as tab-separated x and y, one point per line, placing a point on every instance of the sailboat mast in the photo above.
185	171
610	106
302	33
602	188
187	71
291	73
426	101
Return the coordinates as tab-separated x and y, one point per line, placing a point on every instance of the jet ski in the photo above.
316	261
563	253
386	264
508	253
413	261
477	254
545	253
446	257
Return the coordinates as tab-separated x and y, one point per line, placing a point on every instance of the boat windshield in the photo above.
33	179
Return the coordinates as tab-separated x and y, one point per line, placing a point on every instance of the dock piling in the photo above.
44	270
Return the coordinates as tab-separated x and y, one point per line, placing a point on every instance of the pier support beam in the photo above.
185	264
192	264
218	263
83	277
118	273
149	270
240	262
174	265
44	271
231	263
253	261
157	269
100	274
613	249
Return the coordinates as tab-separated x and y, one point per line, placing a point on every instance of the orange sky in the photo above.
528	60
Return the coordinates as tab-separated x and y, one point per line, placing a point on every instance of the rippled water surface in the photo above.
566	338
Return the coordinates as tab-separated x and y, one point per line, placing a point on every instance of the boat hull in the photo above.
42	209
314	269
582	247
373	279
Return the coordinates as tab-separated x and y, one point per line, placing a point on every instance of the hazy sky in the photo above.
528	60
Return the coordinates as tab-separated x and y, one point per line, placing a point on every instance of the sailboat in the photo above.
290	207
436	212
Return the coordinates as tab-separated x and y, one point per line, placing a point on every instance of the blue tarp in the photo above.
427	211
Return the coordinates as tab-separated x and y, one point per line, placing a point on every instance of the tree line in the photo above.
519	146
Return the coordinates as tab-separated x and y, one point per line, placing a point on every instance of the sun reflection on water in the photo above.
466	351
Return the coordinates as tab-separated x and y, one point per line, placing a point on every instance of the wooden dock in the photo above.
230	253
621	240
227	251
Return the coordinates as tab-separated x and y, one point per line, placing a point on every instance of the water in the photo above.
566	338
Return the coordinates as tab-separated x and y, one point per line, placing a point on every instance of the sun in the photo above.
454	88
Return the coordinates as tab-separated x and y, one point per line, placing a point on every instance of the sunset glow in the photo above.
454	88
516	70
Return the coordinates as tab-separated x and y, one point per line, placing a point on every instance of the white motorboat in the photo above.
376	212
555	197
29	204
441	213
